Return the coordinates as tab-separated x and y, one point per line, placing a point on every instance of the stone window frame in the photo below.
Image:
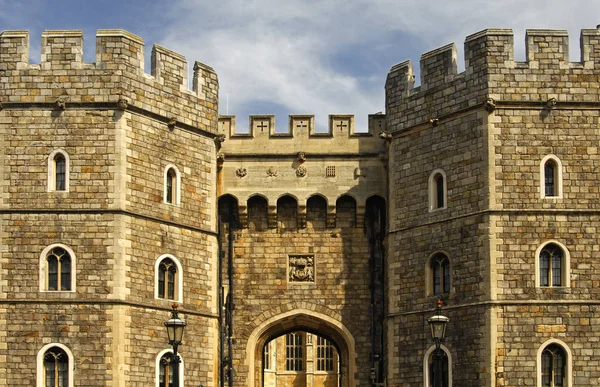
41	372
558	179
325	355
429	284
295	363
175	185
43	273
178	296
268	357
159	357
426	358
565	269
52	170
568	366
433	190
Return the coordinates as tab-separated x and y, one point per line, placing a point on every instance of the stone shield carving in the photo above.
301	268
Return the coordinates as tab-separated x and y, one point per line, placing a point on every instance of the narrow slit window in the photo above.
60	165
437	190
549	178
170	185
439	187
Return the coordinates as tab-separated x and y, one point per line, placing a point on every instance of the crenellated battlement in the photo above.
301	134
119	56
491	72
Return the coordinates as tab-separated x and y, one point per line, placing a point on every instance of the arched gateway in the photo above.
301	320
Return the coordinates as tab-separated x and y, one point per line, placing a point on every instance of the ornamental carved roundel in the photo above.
272	171
301	171
241	172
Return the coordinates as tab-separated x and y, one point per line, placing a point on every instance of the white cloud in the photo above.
287	51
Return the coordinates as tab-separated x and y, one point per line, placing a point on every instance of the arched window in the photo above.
551	177
553	266
57	269
258	213
554	364
165	367
168	278
172	188
437	190
439	274
287	212
345	212
58	171
316	212
430	368
54	366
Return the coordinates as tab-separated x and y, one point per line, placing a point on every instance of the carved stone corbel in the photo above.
220	160
122	104
434	122
60	104
301	157
551	103
489	105
219	139
385	136
171	123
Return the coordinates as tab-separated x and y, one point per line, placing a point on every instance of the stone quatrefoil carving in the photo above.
301	268
301	171
241	172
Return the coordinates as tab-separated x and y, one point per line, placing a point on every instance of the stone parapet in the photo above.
301	136
116	75
492	72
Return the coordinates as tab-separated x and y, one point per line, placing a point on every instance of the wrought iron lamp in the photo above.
175	327
438	323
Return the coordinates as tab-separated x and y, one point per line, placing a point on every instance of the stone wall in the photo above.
120	128
489	128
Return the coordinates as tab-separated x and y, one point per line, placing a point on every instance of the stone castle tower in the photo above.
123	193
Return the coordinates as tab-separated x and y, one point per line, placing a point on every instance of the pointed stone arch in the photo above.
271	325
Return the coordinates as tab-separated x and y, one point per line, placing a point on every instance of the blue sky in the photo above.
300	57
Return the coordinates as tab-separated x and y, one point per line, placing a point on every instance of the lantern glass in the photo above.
438	326
175	327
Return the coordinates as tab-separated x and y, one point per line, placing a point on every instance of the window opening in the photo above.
59	269
294	343
551	260
553	366
56	368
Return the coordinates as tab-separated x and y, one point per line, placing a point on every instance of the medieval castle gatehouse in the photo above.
299	257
